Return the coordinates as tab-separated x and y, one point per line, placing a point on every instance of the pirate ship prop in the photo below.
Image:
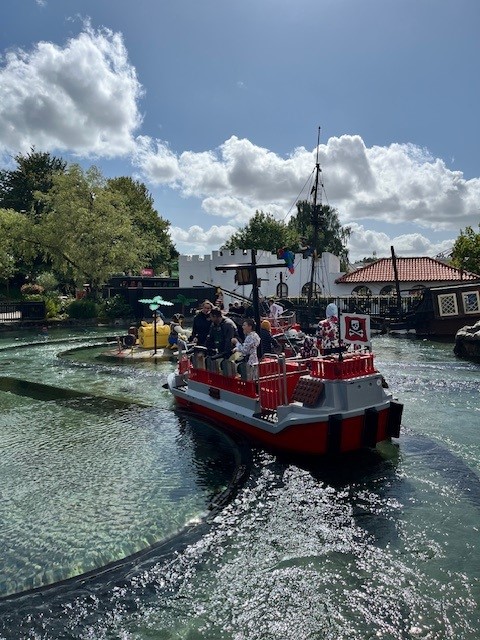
311	406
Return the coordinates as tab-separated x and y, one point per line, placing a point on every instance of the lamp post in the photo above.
153	304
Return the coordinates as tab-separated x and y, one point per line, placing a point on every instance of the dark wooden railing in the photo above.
22	311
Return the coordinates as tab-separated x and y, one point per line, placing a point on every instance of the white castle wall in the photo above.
195	271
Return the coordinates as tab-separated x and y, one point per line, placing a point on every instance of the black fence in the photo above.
22	311
380	308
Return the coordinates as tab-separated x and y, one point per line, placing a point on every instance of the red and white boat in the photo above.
321	405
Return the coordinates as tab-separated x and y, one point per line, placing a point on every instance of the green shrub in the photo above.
116	307
31	289
80	309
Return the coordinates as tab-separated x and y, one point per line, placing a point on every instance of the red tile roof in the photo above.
409	270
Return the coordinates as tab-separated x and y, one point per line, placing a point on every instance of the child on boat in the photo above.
249	348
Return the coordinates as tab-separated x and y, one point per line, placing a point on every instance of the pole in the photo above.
315	226
397	283
256	306
155	333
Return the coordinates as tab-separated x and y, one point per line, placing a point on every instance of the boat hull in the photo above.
327	435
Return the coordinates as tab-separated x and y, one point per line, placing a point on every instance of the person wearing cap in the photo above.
268	344
327	330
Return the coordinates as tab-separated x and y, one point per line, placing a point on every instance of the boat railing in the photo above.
352	365
277	379
222	381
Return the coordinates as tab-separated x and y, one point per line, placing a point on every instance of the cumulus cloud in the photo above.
365	242
400	183
81	98
196	240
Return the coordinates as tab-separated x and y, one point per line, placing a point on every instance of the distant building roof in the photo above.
409	270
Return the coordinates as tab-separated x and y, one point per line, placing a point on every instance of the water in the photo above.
383	545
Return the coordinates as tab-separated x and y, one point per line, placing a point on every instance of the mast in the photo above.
397	282
315	221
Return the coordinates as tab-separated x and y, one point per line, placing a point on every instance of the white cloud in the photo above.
401	183
197	241
81	98
365	242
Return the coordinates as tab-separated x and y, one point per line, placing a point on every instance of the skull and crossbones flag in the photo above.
355	329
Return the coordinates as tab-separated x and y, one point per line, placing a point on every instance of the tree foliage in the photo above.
147	220
88	232
14	227
34	173
466	250
262	232
329	234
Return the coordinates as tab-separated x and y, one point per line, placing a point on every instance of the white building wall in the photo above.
196	271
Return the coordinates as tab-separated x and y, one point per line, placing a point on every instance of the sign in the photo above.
146	272
355	329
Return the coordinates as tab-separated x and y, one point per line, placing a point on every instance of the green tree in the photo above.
321	230
14	250
466	250
88	232
34	173
263	232
147	220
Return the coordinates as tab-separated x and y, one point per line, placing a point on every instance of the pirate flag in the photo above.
355	329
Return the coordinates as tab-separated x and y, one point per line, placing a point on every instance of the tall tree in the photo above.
16	249
88	231
34	173
263	232
147	220
466	250
329	234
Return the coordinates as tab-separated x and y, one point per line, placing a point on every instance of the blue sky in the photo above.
215	106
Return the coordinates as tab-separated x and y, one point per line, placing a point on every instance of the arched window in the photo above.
282	290
362	290
388	290
416	290
316	289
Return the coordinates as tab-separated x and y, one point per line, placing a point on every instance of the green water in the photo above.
375	546
95	466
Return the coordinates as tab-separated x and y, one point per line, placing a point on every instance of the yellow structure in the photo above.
146	336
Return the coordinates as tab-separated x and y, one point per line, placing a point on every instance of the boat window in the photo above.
447	304
471	302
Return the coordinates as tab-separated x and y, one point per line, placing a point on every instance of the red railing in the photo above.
277	381
236	385
352	366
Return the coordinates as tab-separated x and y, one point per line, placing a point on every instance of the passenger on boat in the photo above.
275	311
268	344
327	330
249	348
222	330
177	336
202	323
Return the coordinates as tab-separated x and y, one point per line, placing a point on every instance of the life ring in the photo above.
129	340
